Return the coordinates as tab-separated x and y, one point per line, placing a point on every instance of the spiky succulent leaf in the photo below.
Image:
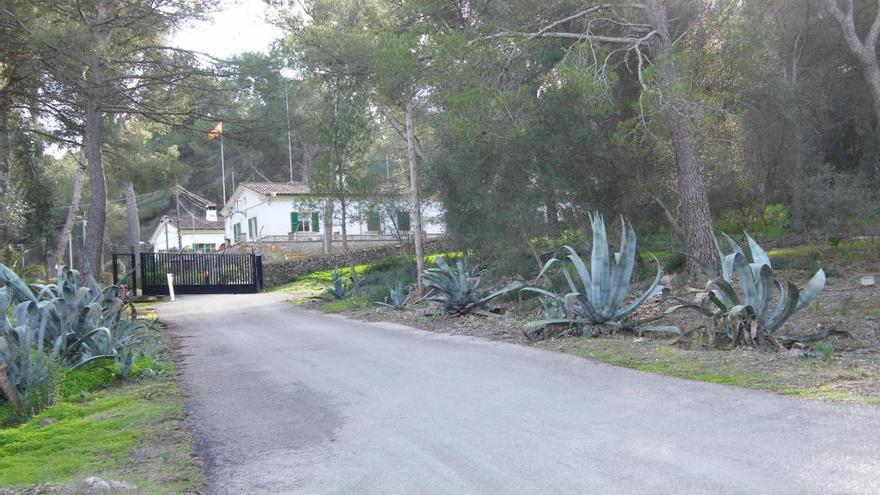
456	288
812	290
622	272
19	290
600	264
756	282
604	284
724	292
759	256
650	291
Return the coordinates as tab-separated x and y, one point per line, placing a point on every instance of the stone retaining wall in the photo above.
278	272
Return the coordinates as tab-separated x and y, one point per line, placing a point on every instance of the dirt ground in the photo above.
849	371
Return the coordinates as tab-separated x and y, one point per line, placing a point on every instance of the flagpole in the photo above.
223	167
289	145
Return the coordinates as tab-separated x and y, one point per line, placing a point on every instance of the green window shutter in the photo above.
372	221
251	228
236	232
403	221
315	222
294	221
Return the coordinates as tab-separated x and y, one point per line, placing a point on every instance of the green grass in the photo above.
343	305
147	310
812	257
98	435
312	284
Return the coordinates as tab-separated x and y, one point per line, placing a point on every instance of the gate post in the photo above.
134	269
258	272
115	269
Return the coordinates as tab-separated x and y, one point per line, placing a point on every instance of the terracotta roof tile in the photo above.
188	222
278	187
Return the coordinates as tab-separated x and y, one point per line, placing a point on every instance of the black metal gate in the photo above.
201	273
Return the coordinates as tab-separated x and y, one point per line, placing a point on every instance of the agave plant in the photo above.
398	297
457	288
340	289
604	285
763	303
67	321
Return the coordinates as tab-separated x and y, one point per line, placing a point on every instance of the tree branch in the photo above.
622	40
567	19
874	32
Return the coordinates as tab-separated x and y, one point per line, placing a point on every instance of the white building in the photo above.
196	235
274	210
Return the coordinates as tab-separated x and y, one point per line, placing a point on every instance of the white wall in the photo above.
189	237
273	215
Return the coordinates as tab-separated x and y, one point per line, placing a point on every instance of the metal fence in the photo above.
201	273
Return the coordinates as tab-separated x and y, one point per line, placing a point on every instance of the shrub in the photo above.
751	316
457	288
70	323
340	289
41	382
398	297
603	286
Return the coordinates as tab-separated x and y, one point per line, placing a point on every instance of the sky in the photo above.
237	26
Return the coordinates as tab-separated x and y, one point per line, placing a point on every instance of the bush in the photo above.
41	383
373	286
67	325
604	285
456	288
833	199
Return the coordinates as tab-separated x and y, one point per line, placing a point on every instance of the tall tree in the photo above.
865	50
643	31
105	57
345	130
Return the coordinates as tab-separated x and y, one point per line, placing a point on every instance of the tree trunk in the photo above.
94	81
67	230
94	241
309	152
10	391
415	198
134	222
865	51
796	178
699	236
5	102
871	72
343	215
328	226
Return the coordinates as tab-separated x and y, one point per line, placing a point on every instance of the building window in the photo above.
304	221
236	232
253	231
203	248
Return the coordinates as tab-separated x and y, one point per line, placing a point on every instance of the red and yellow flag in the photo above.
216	132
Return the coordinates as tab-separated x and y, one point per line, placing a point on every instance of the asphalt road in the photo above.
289	401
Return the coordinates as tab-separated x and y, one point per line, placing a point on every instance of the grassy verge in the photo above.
375	275
131	431
840	378
312	284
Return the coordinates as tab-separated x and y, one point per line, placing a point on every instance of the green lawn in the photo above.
312	284
131	431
